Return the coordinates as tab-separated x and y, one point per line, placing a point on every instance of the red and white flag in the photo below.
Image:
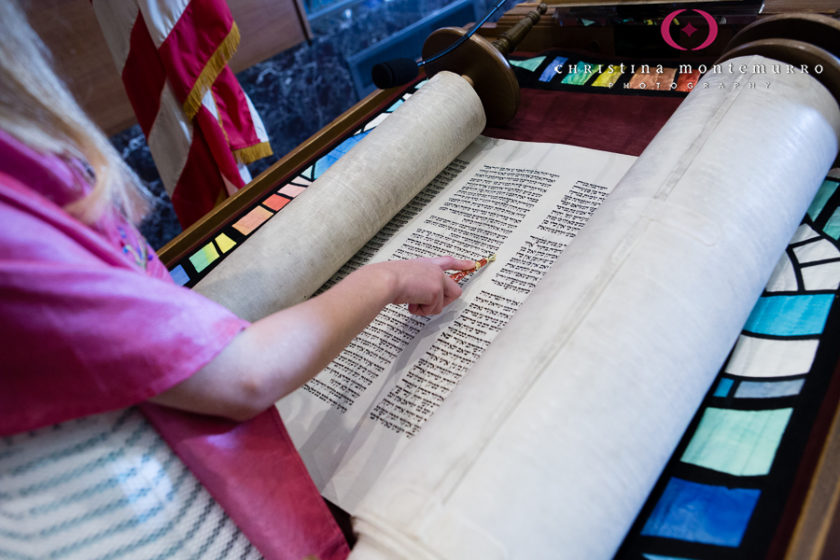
200	126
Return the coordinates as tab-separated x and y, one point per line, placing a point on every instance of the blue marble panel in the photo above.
793	315
551	70
823	194
179	275
335	154
702	513
723	387
768	389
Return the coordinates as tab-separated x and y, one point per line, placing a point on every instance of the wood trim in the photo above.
303	20
789	6
81	58
281	171
267	27
822	503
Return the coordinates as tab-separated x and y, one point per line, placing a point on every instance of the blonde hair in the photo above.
39	111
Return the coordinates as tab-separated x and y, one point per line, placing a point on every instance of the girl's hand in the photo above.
423	283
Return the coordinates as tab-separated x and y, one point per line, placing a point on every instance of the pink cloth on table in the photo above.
85	329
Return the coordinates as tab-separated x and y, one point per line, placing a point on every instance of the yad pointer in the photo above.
479	264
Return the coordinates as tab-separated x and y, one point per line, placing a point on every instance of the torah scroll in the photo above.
565	422
551	442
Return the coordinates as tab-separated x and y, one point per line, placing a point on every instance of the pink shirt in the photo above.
90	321
84	327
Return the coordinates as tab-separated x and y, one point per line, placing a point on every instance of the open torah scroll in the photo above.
535	415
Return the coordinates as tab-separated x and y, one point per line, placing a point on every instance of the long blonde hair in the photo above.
38	110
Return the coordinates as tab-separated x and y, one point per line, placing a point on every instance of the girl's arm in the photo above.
279	353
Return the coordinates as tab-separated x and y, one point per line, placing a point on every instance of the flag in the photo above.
200	126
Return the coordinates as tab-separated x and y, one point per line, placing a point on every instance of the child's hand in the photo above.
423	283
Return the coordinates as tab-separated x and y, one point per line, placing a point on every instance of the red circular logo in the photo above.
689	30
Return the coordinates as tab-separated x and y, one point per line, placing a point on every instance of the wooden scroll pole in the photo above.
484	64
809	41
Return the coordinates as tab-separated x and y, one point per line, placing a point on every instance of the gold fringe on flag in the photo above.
211	71
252	153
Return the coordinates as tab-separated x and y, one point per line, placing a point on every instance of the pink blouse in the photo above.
90	321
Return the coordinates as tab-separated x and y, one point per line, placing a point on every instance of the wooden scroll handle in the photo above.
484	64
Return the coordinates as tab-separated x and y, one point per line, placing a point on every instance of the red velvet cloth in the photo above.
612	122
254	472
